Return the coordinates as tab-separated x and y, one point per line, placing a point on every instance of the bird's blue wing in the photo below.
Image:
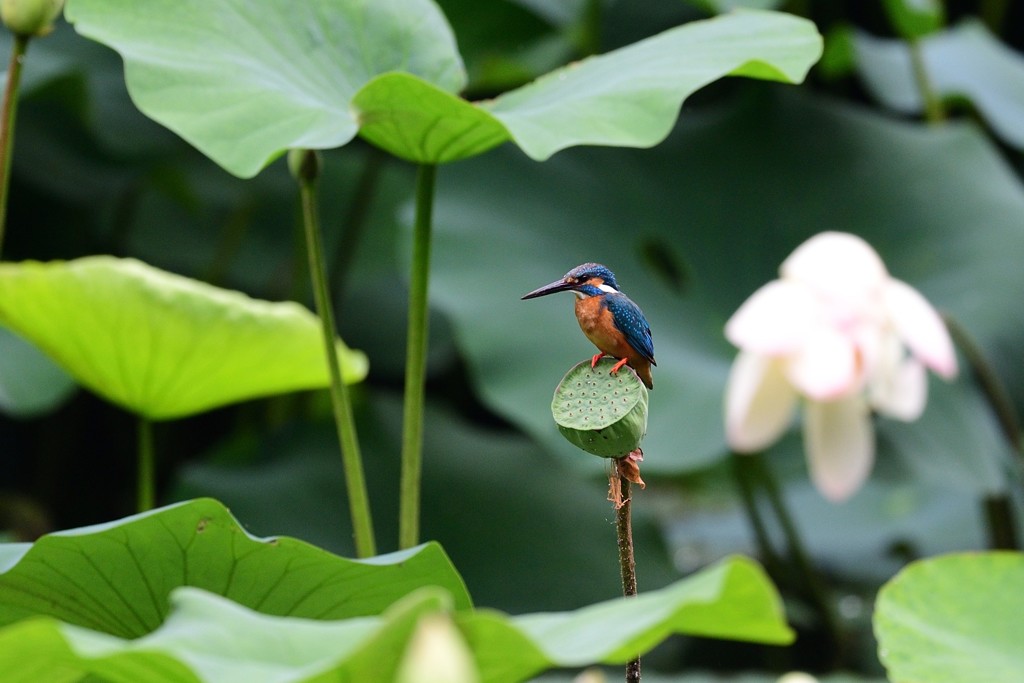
631	322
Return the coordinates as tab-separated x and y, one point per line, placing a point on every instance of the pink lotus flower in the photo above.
837	330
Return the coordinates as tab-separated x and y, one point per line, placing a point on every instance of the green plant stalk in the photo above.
999	515
589	32
627	561
146	474
933	110
743	471
1002	527
355	481
416	362
996	395
8	114
816	590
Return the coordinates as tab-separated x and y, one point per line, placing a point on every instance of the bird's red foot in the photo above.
593	361
618	366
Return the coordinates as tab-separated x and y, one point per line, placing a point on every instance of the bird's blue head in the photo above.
589	279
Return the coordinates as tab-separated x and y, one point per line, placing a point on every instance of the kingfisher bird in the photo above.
609	318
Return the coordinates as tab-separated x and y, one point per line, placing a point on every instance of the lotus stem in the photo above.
416	361
992	388
815	587
934	113
358	499
627	561
146	468
1002	527
589	32
8	113
743	467
998	506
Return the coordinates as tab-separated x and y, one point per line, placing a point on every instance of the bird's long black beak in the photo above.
556	286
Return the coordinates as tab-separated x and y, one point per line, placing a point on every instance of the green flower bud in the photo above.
30	17
601	413
303	164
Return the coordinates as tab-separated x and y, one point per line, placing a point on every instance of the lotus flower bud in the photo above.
303	164
30	17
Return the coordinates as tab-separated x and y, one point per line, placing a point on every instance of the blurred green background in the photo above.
690	227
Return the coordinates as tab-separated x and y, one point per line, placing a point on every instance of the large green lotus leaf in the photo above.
733	599
245	81
954	619
695	226
244	84
30	383
116	577
420	122
160	344
631	96
628	97
546	540
41	649
92	77
719	6
966	62
725	677
208	638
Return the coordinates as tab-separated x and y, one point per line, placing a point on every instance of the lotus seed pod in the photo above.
30	17
601	413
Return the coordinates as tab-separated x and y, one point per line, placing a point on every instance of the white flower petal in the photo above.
826	367
759	403
871	339
840	445
436	653
838	266
920	327
774	320
899	387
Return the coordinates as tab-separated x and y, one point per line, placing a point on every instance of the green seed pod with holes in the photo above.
601	413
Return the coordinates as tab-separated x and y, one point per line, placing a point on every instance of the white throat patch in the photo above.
607	289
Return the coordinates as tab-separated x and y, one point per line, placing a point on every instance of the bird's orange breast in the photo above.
597	323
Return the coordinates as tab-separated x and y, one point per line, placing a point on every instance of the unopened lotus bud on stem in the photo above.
30	17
